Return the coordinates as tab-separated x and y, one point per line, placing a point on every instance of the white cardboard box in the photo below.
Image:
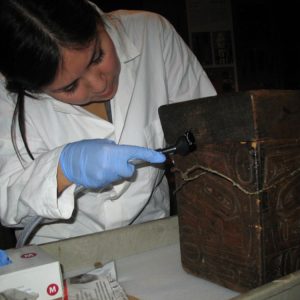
32	270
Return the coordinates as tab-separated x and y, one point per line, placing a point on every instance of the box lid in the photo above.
236	117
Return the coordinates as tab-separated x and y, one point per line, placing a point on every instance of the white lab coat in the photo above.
156	68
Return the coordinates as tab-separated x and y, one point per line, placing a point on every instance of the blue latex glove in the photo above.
99	162
4	259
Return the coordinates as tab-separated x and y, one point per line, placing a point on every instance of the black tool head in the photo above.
185	143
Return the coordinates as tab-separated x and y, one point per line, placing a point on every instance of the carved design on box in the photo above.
288	210
243	164
280	161
284	201
217	210
234	161
221	223
285	215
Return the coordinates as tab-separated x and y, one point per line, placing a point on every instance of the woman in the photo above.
79	85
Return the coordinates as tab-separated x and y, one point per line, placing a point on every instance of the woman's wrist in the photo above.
62	181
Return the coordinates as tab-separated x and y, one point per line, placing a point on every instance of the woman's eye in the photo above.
98	58
71	89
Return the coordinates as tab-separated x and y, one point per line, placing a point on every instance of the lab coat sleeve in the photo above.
185	76
31	189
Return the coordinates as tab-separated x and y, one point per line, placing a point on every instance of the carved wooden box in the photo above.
239	193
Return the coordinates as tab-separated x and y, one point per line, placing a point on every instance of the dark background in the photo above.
267	44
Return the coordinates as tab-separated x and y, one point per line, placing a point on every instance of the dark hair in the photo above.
32	33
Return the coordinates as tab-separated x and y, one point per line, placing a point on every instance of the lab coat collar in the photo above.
126	50
62	107
118	35
127	53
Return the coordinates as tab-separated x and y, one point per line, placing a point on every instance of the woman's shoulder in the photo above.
135	15
34	102
6	98
140	19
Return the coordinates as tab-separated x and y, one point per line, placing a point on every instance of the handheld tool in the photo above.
183	146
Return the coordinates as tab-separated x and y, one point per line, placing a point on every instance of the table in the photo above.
147	258
158	274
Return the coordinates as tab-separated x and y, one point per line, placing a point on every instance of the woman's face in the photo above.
87	75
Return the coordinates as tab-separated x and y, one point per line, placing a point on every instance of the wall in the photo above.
267	44
212	40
